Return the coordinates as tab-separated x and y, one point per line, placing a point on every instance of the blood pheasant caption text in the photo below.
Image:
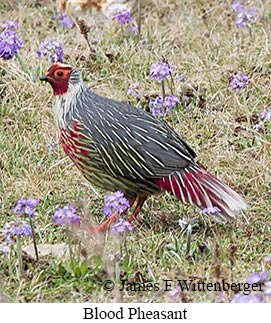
131	313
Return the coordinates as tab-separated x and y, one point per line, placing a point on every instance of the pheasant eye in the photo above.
59	73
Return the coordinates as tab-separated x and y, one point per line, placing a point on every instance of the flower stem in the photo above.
120	245
172	84
19	255
9	266
125	245
24	67
163	90
138	20
188	240
71	254
34	239
122	31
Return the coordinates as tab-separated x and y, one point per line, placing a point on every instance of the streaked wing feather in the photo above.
131	142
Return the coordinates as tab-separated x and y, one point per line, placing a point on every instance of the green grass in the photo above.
208	49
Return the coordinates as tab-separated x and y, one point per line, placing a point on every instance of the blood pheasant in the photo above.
120	147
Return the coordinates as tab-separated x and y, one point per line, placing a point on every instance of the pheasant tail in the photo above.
196	186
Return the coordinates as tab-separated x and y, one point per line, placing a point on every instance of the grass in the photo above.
200	40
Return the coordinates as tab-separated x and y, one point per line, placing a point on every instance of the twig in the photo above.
84	30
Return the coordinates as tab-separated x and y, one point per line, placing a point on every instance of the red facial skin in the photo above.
58	76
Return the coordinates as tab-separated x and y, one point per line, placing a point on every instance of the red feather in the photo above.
194	185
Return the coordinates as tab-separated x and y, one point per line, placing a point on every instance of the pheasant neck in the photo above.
65	105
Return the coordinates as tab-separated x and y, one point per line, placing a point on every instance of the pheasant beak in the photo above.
44	78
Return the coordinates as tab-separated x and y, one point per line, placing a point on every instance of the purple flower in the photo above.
122	17
170	101
256	278
158	107
133	90
267	289
244	17
9	44
240	298
16	228
160	70
64	20
183	222
51	145
211	210
115	202
265	115
175	293
131	29
10	24
121	226
4	248
237	6
26	206
180	77
238	81
220	298
65	216
51	48
23	230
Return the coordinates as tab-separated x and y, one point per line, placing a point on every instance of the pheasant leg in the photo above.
103	227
